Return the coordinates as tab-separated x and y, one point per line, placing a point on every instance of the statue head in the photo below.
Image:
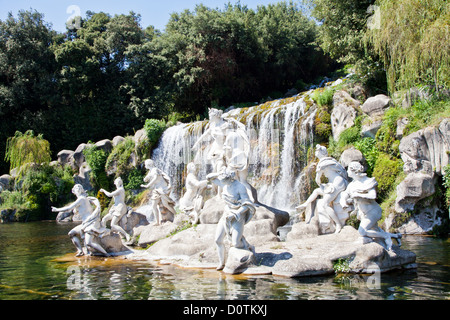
149	164
355	169
118	182
191	168
78	190
321	151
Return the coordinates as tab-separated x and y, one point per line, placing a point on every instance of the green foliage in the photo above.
26	148
446	179
134	179
427	112
322	123
119	158
386	171
323	97
341	266
343	23
413	42
96	159
42	186
368	147
154	128
347	138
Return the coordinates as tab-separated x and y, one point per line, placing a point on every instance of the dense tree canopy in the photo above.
110	75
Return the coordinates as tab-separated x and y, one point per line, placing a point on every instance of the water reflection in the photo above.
37	262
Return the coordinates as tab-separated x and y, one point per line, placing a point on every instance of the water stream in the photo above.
37	263
280	134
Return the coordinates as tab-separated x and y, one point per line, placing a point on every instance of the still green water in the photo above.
37	262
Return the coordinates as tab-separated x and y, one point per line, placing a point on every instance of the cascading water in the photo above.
280	134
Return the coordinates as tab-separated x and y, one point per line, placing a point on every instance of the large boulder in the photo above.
344	113
65	157
376	106
105	145
117	140
350	155
78	155
6	182
112	243
416	186
213	210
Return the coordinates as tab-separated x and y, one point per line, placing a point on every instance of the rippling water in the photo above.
37	262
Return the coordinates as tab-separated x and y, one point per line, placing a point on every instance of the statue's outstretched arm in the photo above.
70	207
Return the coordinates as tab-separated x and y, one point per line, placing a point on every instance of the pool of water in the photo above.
37	262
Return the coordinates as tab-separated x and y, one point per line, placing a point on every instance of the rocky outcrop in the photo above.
374	108
344	113
425	154
350	155
6	182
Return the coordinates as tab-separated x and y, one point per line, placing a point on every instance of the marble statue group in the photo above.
341	193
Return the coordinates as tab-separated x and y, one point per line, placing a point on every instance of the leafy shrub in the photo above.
446	179
96	159
323	97
41	187
368	147
322	123
154	128
119	158
135	179
386	171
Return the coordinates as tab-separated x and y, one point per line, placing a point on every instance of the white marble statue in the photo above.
192	201
328	207
239	211
84	208
119	209
93	228
160	184
362	194
230	147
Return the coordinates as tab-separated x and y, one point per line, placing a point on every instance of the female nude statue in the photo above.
119	209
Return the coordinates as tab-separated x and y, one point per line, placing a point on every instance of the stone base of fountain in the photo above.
312	256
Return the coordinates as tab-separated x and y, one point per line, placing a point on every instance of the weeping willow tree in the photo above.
25	148
413	42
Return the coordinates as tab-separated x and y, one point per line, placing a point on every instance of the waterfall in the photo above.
280	133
